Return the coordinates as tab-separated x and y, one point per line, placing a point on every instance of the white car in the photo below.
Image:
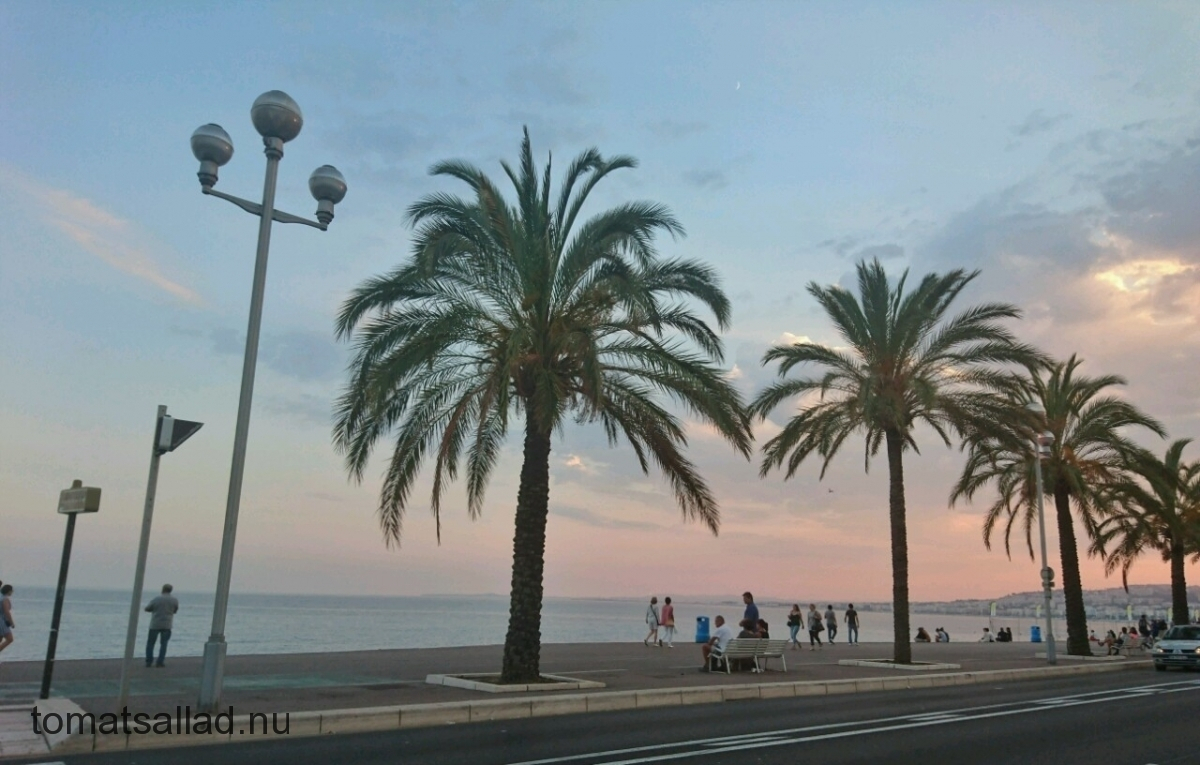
1180	647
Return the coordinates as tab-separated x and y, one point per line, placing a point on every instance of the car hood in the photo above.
1175	645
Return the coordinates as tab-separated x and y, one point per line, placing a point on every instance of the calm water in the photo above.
94	622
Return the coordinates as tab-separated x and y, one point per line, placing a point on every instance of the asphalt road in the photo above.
1123	718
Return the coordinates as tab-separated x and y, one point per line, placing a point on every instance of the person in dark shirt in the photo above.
750	617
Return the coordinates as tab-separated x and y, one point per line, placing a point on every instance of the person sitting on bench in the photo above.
718	642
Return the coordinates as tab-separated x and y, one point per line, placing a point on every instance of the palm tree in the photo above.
1089	453
1160	513
526	309
906	363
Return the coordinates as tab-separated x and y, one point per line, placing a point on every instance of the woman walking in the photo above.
6	618
795	619
814	627
668	623
652	623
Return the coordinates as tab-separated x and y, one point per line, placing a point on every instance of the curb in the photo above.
376	719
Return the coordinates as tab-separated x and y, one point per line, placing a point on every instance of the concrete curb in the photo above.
375	719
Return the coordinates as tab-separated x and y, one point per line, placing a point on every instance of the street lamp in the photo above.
278	120
1041	448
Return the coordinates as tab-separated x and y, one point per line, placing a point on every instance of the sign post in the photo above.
71	502
169	433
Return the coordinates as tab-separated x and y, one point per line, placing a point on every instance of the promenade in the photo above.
371	690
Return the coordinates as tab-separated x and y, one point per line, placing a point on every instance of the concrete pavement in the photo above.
377	690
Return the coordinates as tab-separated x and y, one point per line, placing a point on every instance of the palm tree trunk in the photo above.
1072	584
1179	604
902	650
523	644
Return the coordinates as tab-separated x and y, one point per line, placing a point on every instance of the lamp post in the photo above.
1041	448
278	120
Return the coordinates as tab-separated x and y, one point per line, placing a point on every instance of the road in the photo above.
1134	718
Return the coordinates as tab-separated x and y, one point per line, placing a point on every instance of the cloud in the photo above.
351	72
1111	272
787	338
119	243
1038	122
305	409
585	516
880	251
299	354
707	179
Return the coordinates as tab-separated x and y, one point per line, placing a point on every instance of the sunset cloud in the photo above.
119	243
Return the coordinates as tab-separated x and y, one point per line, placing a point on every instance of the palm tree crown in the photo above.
1090	452
906	363
1158	513
526	308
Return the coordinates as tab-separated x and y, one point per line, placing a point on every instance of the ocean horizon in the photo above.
94	622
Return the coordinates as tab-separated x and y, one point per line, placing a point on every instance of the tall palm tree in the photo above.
907	363
1160	513
1090	452
525	309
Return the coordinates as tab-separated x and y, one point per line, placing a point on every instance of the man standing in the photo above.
852	625
830	623
717	642
163	609
750	618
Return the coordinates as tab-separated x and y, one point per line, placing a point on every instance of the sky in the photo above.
1053	146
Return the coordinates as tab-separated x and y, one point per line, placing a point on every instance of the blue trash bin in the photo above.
1035	633
701	629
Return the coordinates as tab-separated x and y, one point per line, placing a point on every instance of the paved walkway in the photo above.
328	682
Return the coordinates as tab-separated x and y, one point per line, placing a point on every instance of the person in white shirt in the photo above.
717	642
988	637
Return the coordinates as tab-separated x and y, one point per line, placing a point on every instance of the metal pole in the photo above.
48	668
139	573
214	650
1047	574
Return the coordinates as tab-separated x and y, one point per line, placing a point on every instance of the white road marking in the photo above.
788	736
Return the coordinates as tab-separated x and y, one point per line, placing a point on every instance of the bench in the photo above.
1130	647
751	648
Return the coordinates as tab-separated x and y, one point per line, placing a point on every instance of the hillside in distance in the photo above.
1111	603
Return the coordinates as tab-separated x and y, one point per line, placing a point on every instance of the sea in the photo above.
94	622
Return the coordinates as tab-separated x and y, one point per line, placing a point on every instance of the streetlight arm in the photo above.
255	208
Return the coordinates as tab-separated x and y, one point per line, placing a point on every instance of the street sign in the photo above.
173	432
79	499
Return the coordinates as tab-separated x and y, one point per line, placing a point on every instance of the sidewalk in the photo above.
371	690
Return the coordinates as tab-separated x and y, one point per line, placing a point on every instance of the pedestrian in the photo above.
814	628
163	610
851	625
750	617
795	619
652	622
668	623
830	623
7	623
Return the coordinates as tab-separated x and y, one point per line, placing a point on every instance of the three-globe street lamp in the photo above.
1041	448
277	119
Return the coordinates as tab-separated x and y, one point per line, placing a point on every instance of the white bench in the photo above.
750	648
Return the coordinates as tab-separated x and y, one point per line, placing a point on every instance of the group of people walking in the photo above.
663	620
818	623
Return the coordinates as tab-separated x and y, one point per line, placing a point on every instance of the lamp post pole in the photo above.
278	120
71	502
168	434
1040	443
